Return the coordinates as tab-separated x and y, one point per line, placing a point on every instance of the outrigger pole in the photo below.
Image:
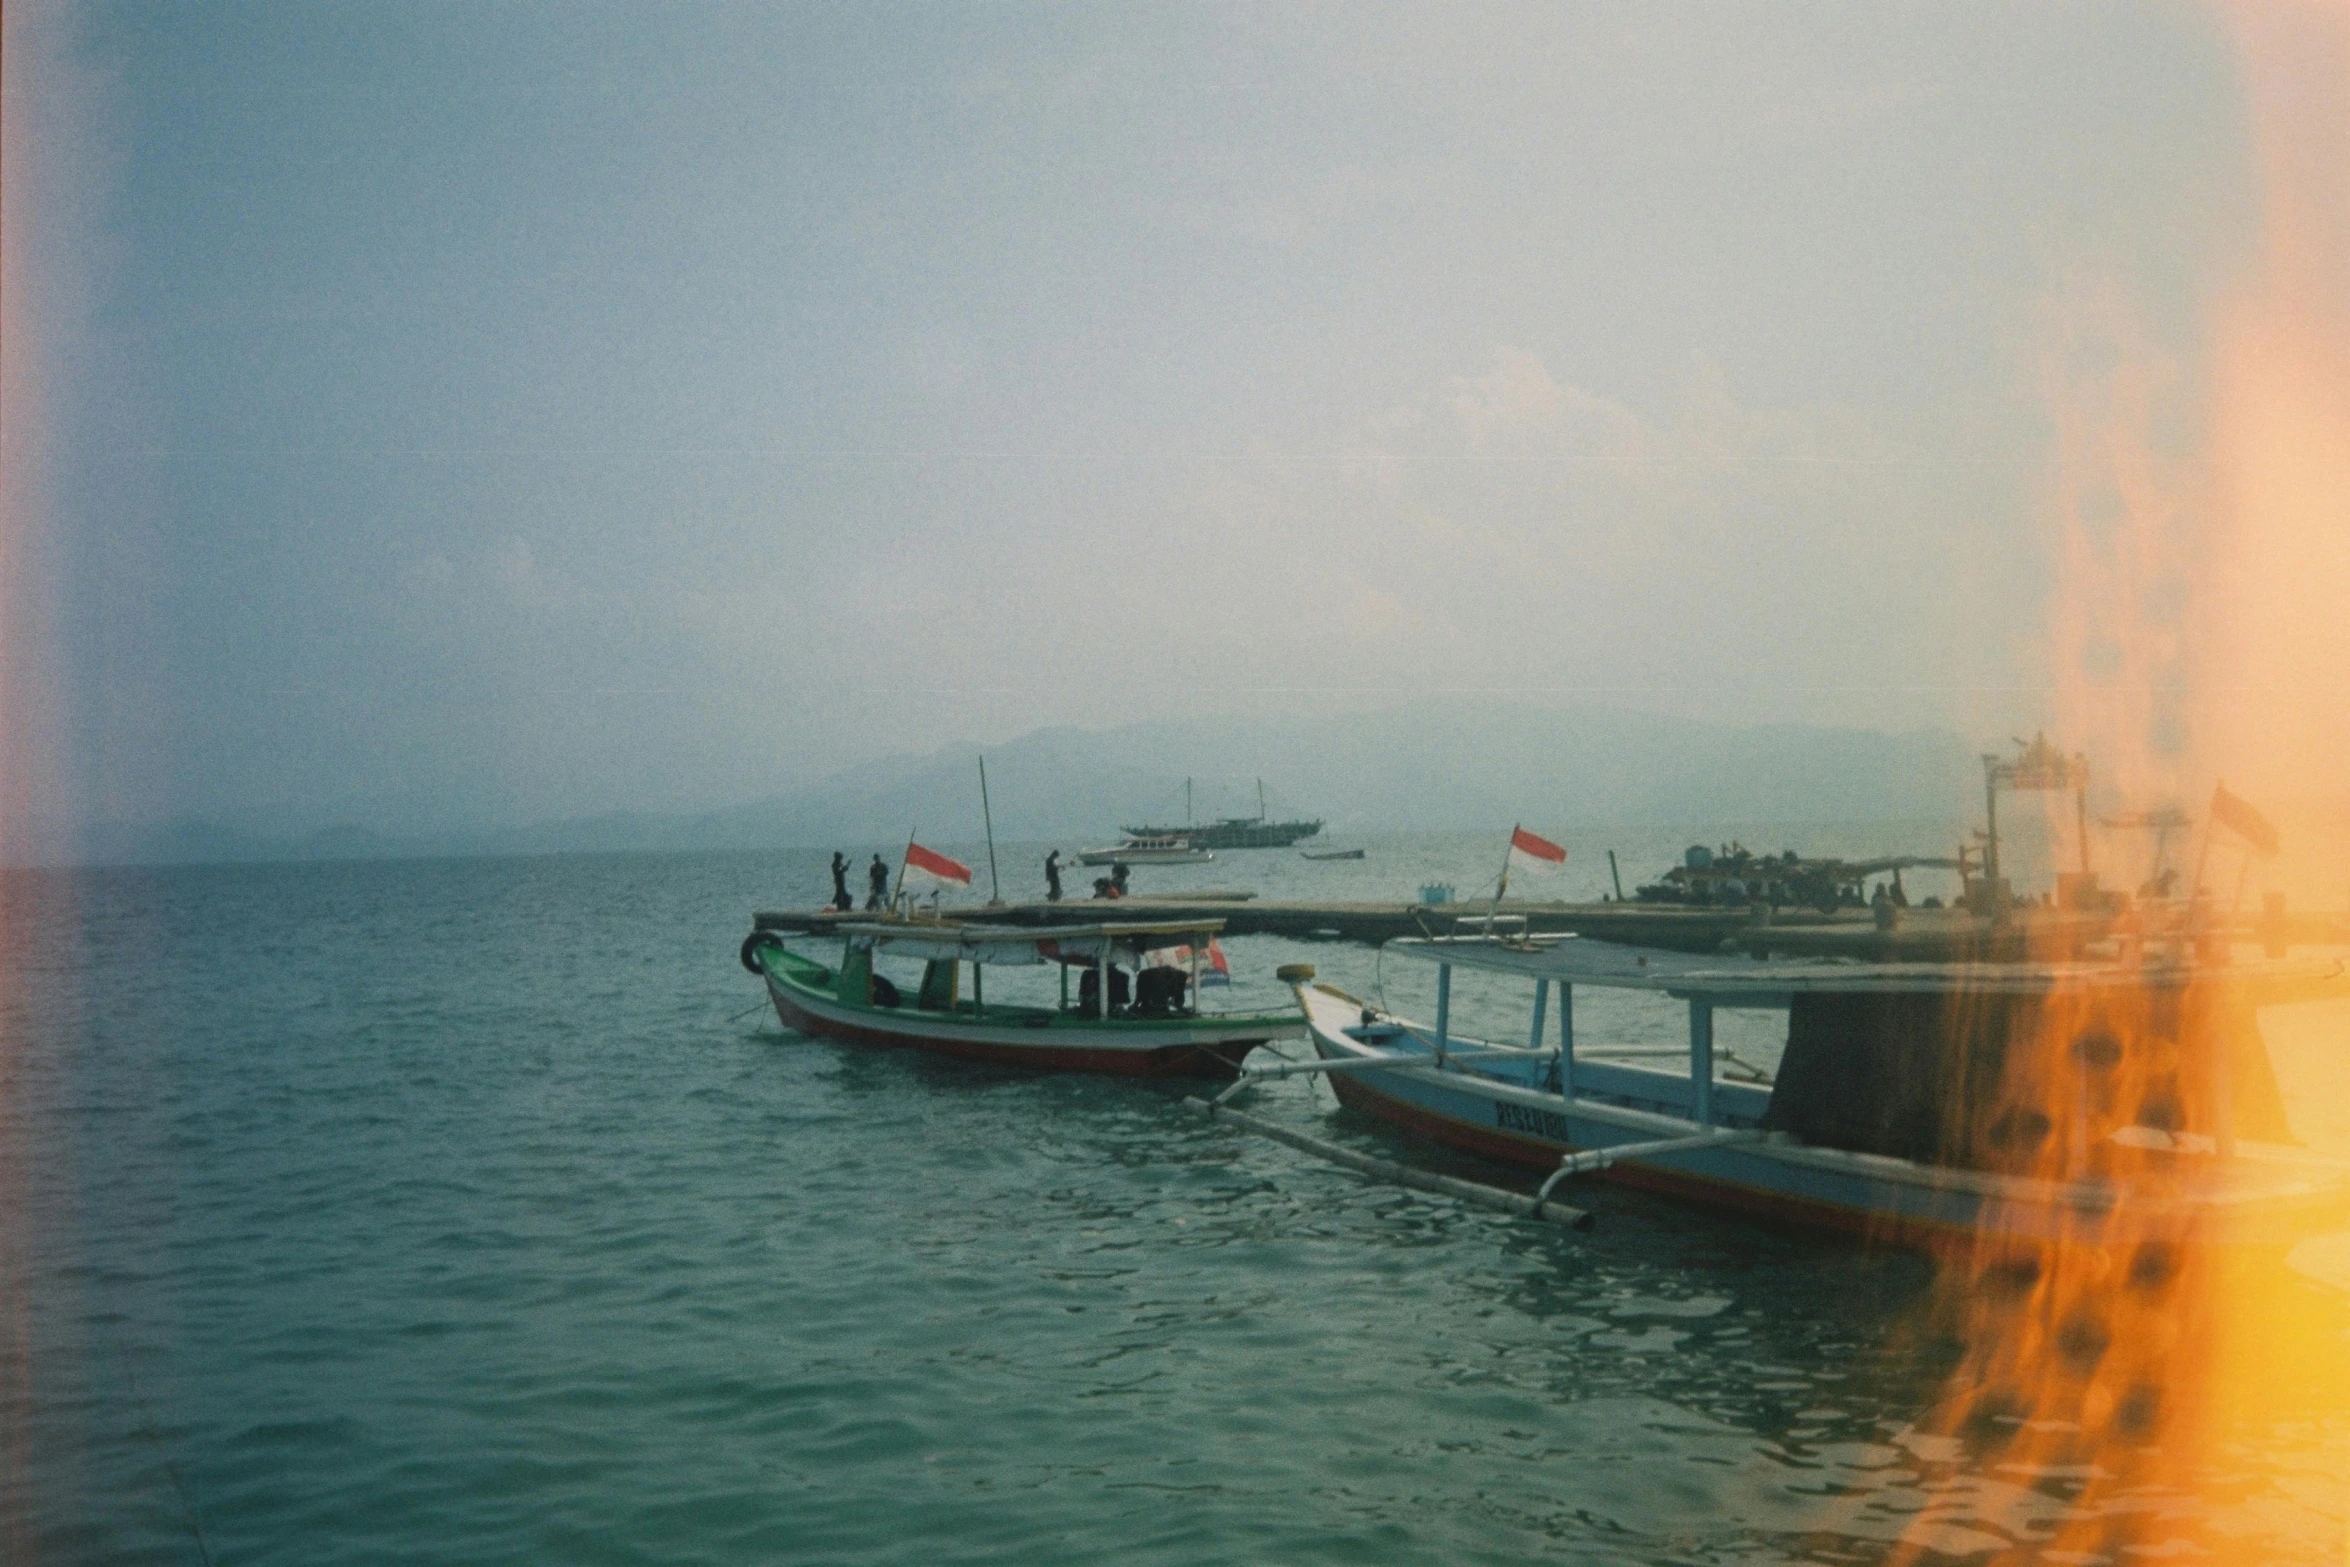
1484	1196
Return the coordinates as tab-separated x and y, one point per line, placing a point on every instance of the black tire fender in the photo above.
750	953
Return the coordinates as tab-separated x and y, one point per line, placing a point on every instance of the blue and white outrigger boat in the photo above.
1856	1129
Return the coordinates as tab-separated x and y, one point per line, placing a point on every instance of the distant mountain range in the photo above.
1427	767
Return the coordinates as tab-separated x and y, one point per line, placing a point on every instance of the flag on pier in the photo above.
1524	842
920	859
2239	816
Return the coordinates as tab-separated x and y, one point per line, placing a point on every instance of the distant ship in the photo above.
1233	832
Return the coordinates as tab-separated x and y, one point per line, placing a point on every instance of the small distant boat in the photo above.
1851	1130
1159	849
1330	854
1156	1030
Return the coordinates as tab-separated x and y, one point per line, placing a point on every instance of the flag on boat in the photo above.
1213	969
920	859
2241	817
1524	842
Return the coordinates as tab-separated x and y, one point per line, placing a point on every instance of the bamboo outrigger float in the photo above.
1158	1032
1855	1130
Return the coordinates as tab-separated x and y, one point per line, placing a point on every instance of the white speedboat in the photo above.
1166	849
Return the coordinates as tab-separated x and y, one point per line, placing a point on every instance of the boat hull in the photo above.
1881	1199
1144	856
1187	1047
1241	834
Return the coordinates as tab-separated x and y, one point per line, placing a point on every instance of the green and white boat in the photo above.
1157	1031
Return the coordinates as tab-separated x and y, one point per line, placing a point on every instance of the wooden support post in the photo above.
1541	1000
1701	1061
978	1001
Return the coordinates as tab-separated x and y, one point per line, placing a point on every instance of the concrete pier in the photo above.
1649	925
1919	935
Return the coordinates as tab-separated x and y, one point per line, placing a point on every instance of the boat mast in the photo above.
1260	799
995	891
1187	802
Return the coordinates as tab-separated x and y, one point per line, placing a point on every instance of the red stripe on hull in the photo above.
1754	1202
1221	1061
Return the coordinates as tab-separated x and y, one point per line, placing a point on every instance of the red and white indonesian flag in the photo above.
1213	969
936	864
1526	843
2239	816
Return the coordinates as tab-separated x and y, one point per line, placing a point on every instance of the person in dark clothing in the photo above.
1118	875
1089	991
1158	991
1052	876
877	878
840	883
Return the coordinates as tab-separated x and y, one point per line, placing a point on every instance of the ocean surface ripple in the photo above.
467	1211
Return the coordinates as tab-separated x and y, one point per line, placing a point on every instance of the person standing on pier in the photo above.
840	883
1052	877
877	879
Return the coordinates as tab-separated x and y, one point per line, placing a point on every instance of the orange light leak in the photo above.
2142	1387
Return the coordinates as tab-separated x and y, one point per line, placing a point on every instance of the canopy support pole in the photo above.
1541	1001
1701	1061
1566	1039
1443	1008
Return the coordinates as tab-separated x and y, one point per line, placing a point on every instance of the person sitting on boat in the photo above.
1159	990
877	878
1052	876
1103	887
1089	991
840	883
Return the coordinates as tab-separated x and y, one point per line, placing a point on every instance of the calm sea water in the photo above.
471	1211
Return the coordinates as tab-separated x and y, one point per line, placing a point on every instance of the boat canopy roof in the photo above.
1732	979
1005	945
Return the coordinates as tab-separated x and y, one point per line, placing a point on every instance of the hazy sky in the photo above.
484	412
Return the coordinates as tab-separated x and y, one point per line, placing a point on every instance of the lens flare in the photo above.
2124	1369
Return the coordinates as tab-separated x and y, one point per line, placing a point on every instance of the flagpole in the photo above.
1503	885
902	860
2203	854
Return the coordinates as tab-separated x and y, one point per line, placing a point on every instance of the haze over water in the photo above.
468	1211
